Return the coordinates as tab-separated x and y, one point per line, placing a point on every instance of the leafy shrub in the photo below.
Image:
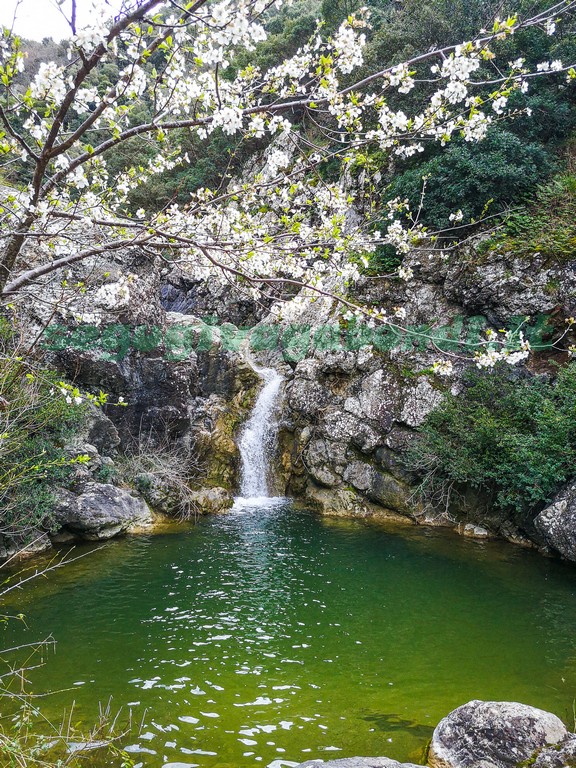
384	261
546	226
509	435
501	169
35	420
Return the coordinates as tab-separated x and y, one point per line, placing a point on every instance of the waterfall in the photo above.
257	440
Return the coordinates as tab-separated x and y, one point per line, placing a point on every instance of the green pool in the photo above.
271	636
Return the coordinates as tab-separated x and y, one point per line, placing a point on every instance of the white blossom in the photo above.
443	367
405	273
229	119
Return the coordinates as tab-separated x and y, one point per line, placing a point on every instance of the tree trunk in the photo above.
12	251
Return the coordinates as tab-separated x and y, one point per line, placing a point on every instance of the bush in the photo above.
162	473
35	420
502	169
509	435
384	261
547	226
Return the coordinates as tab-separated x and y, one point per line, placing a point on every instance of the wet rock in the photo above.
101	512
19	546
339	502
212	500
391	493
492	734
358	762
215	424
474	531
557	523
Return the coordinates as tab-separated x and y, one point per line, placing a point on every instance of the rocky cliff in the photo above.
355	395
355	404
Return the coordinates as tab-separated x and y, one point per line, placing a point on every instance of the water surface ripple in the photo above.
272	636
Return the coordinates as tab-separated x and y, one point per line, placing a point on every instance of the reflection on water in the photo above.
390	723
269	635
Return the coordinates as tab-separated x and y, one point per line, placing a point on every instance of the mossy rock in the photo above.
222	459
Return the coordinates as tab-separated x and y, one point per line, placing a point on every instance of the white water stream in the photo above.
257	441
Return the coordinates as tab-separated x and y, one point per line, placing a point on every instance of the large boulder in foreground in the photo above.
358	762
493	734
101	512
557	523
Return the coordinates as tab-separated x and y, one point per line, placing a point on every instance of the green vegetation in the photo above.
474	178
509	435
498	173
546	226
35	419
517	155
385	260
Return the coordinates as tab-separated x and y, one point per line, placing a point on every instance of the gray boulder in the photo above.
338	502
557	523
558	756
101	512
493	734
359	762
212	500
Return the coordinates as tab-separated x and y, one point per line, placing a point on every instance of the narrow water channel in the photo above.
270	634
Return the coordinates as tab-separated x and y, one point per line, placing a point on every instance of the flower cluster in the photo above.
513	348
73	396
283	222
443	367
115	295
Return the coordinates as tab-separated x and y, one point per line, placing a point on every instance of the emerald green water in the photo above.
274	635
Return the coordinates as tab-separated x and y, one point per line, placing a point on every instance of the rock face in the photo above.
357	398
194	400
101	512
359	762
182	293
351	413
493	734
557	523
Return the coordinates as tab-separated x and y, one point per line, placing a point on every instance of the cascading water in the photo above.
258	437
